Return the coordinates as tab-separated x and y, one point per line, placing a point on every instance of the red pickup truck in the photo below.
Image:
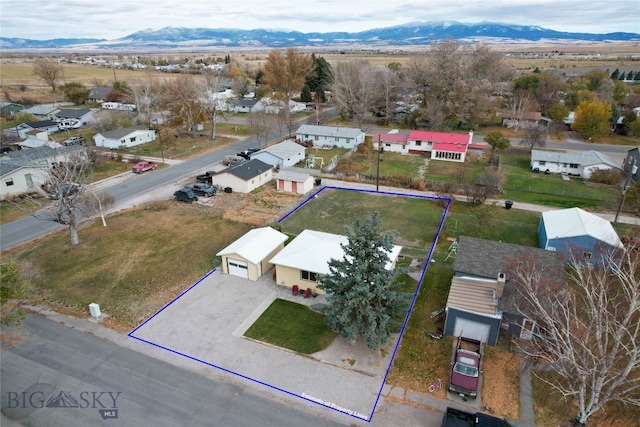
465	368
144	166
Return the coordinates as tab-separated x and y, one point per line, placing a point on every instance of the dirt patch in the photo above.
501	382
257	208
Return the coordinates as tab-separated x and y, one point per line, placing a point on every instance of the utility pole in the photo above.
628	174
378	164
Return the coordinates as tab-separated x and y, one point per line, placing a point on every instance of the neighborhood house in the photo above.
307	257
579	235
482	298
284	154
244	177
330	136
126	137
452	147
581	164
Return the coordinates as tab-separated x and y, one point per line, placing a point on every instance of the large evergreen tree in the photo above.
362	298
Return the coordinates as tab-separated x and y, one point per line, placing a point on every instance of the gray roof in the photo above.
31	157
72	113
249	169
99	92
293	176
41	124
41	110
329	131
121	133
285	149
487	258
244	102
585	158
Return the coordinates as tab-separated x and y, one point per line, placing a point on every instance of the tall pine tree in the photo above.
362	298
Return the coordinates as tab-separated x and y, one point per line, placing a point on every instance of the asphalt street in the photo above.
59	376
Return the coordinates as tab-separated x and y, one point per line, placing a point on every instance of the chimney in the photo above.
500	285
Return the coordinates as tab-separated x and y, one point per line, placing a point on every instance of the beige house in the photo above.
249	256
307	257
244	177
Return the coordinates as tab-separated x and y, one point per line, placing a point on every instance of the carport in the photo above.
248	256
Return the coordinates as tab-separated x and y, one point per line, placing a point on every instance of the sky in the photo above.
113	19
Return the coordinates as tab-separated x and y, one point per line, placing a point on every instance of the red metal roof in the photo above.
447	146
436	137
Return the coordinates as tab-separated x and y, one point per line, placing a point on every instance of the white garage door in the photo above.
470	329
238	268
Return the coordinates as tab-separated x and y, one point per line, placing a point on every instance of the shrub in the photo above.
606	176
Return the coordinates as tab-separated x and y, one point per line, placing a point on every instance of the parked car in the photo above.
205	177
185	195
232	160
202	189
144	166
465	367
252	150
74	140
65	190
245	155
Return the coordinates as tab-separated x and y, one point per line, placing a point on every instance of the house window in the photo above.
418	143
542	163
316	137
29	180
308	275
387	145
133	138
9	182
574	165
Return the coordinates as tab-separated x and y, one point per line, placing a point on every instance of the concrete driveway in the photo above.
207	322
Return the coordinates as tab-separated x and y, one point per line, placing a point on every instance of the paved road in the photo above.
100	375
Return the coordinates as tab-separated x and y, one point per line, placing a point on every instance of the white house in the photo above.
126	137
284	154
392	141
581	164
244	177
294	182
26	170
329	136
242	105
38	138
43	112
307	256
22	129
80	115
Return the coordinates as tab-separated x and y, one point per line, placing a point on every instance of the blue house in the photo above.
579	235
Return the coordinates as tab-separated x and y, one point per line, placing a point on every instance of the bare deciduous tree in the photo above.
522	102
214	106
48	70
65	181
354	88
182	97
261	124
145	94
589	333
535	136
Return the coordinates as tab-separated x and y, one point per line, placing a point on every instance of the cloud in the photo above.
117	18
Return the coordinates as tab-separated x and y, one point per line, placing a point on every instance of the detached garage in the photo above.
248	257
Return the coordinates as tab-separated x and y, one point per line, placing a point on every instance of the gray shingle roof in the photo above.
41	124
585	158
249	169
31	157
329	131
487	258
72	113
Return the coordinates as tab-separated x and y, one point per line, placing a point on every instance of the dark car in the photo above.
252	150
202	189
65	190
244	155
185	195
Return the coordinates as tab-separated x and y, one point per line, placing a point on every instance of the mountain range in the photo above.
413	34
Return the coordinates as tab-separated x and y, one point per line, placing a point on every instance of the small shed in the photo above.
579	235
294	182
249	256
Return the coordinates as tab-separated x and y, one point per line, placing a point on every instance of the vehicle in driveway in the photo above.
185	195
465	367
205	177
202	189
74	140
232	160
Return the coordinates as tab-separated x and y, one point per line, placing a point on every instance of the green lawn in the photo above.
415	220
291	325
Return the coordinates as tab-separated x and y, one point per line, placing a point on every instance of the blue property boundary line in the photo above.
404	324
